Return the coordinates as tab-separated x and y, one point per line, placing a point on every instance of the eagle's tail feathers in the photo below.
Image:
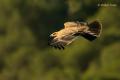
95	27
93	31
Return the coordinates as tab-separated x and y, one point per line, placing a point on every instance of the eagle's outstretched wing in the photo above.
61	41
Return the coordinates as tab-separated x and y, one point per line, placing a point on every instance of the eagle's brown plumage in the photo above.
72	30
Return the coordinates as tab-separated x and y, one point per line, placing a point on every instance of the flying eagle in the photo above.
72	30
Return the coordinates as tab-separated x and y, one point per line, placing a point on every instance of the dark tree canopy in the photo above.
24	29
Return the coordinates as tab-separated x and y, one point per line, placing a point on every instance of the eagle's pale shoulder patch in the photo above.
70	24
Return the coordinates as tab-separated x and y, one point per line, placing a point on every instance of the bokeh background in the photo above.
24	29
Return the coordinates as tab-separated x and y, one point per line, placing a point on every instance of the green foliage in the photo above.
24	29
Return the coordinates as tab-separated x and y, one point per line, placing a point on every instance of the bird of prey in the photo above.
72	30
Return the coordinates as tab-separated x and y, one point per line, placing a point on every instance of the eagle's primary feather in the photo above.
72	30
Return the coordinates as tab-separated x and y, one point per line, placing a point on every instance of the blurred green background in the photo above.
24	29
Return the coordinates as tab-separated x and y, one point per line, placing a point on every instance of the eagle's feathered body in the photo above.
72	30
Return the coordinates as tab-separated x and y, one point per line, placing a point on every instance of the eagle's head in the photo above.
55	41
53	34
52	38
